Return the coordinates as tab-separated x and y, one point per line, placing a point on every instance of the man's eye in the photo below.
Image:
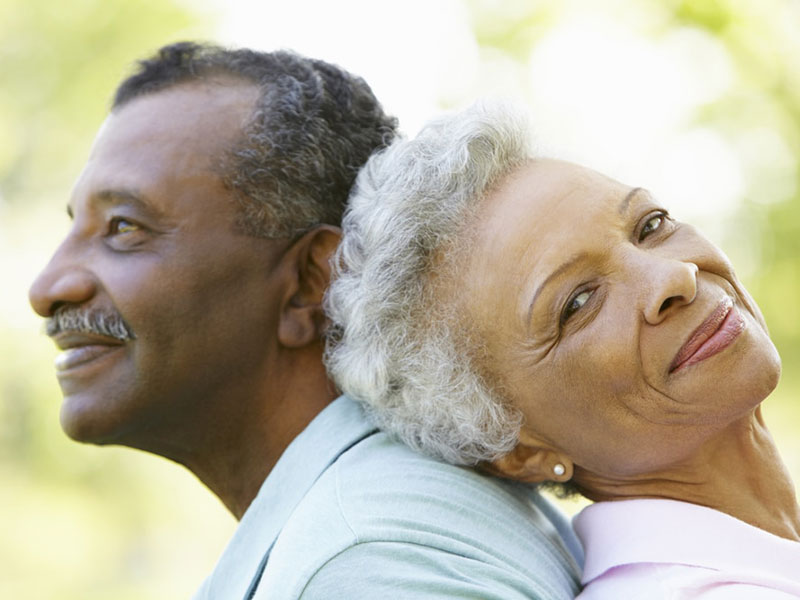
652	224
574	304
119	225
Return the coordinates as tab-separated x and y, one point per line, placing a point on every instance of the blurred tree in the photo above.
761	115
60	62
757	116
83	523
77	523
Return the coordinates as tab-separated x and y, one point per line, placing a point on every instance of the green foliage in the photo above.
758	116
60	62
511	27
77	523
83	523
714	15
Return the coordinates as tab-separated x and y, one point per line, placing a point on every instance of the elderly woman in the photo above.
554	325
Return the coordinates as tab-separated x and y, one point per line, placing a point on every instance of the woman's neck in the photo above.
738	472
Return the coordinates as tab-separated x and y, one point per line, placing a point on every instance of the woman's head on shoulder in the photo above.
496	306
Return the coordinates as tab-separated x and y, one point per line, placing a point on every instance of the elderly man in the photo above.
186	299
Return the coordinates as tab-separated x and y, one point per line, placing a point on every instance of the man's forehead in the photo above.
220	107
165	142
186	123
214	89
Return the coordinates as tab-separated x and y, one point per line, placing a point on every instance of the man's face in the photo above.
623	336
153	244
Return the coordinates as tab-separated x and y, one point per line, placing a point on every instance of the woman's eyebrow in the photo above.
567	264
623	206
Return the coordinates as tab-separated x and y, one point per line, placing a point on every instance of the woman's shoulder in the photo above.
677	547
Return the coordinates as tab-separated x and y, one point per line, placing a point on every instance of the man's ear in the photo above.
532	460
302	320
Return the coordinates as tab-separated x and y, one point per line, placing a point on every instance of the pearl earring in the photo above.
559	469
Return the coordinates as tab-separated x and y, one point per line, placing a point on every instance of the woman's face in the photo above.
622	335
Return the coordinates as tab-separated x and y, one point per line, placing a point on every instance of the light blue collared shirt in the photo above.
349	513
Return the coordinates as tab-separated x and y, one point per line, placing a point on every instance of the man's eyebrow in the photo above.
566	265
115	196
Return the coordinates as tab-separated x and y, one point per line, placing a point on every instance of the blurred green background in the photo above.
698	100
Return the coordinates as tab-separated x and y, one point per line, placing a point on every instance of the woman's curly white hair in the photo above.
393	344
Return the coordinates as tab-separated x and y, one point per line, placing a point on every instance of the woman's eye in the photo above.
575	303
652	224
119	225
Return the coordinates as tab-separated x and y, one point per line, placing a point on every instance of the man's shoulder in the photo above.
382	473
381	493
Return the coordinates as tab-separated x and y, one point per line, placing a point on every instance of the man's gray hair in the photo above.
312	127
394	344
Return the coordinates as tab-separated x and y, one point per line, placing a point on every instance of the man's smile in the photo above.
81	348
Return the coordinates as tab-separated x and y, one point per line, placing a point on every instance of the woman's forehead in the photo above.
547	203
544	214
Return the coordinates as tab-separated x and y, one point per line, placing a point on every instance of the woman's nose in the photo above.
671	284
61	282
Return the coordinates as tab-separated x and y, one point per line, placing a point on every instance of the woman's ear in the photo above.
532	460
302	319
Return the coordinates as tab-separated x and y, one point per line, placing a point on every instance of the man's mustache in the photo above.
107	323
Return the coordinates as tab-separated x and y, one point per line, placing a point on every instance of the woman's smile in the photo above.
713	335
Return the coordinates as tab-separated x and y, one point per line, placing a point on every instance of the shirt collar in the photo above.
671	532
340	425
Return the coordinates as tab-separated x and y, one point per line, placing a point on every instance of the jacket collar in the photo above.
338	427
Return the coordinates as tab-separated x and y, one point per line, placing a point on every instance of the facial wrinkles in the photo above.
543	321
538	334
587	258
619	284
82	320
673	406
535	351
657	401
676	406
711	261
553	280
635	390
669	403
652	375
596	261
635	405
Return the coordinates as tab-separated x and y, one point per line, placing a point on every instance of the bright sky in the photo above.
602	89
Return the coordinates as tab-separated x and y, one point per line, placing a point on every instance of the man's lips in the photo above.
80	348
713	335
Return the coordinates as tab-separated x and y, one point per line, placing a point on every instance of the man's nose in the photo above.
63	281
670	284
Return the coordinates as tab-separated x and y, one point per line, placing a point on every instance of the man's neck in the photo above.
738	472
236	471
252	427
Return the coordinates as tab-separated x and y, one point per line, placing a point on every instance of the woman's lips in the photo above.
713	335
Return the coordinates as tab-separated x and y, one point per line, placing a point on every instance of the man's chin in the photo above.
82	423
